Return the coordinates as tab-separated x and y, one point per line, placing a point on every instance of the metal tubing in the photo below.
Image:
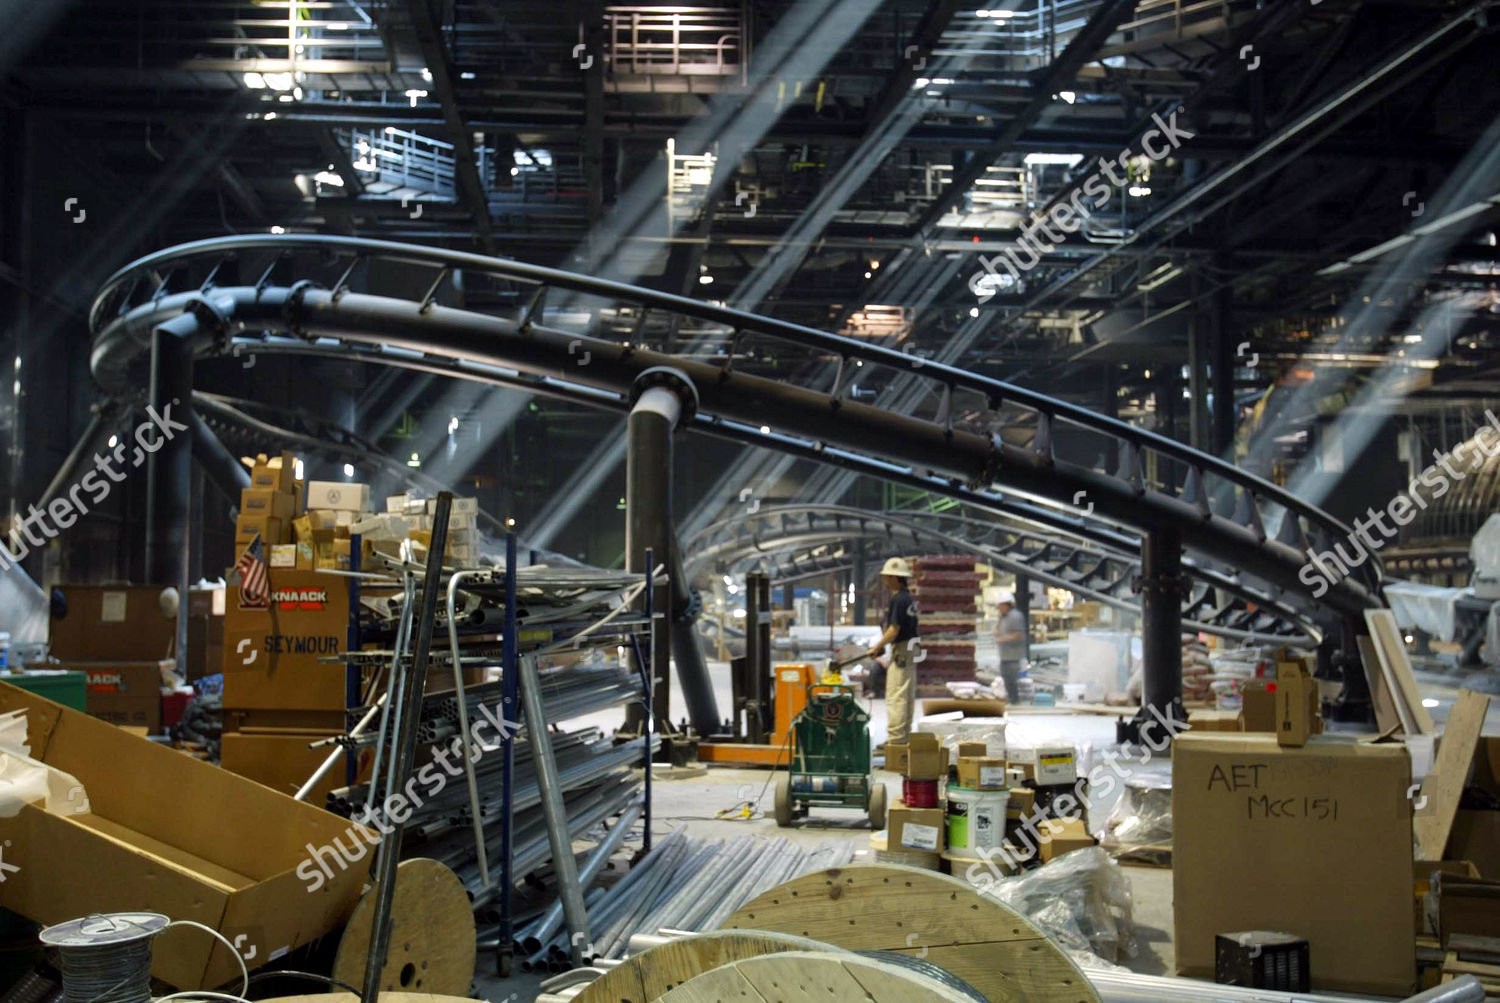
1129	987
591	868
563	864
390	711
404	752
463	721
512	693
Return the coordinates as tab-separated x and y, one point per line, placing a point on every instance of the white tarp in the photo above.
1431	609
23	604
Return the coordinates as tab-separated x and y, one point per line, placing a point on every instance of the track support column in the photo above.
169	462
1161	636
663	397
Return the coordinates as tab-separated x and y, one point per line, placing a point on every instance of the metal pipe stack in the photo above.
683	884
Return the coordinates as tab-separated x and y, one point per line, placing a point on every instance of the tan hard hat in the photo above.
896	566
1005	596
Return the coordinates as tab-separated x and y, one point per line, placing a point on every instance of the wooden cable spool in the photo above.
649	975
432	935
923	914
813	977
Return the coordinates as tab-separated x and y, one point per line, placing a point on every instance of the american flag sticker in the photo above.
255	582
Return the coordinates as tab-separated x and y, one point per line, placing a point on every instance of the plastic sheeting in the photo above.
1431	609
24	611
1080	900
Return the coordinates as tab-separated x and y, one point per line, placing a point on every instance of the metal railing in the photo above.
675	41
404	159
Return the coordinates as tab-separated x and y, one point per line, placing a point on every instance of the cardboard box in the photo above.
272	654
270	528
1467	905
981	773
1214	720
462	506
283	761
277	473
1297	702
124	693
344	496
1026	766
168	833
1059	835
896	756
1055	764
915	828
1257	705
1476	838
268	501
1270	837
924	757
1022	802
112	623
973	749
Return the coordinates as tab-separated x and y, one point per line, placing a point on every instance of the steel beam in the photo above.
426	27
1161	629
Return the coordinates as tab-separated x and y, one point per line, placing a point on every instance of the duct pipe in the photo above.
219	464
661	398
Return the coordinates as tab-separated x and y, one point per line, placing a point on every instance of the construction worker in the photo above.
900	625
1010	638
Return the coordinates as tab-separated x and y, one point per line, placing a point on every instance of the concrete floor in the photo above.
691	801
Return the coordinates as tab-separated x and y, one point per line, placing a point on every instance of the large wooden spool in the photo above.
923	914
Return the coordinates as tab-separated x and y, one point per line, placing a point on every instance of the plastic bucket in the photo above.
975	820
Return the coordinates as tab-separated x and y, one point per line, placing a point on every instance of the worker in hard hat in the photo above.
900	635
1010	638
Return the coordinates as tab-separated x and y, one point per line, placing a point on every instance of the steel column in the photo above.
1161	627
661	399
169	464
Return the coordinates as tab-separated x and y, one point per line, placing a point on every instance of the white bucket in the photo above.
975	820
1075	692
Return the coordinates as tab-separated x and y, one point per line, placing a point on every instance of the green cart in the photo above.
830	763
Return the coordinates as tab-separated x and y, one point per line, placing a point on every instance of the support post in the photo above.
1023	606
861	579
663	397
758	655
1161	633
169	464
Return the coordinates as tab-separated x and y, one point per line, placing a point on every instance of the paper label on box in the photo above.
284	555
790	675
112	607
919	837
992	776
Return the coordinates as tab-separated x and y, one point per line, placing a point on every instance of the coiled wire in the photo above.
927	968
107	973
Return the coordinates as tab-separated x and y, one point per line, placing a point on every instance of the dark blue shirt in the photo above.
903	613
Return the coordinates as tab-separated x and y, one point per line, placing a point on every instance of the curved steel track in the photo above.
795	541
344	298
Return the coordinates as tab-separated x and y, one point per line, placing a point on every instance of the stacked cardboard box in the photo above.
269	503
122	639
947	590
463	524
917	835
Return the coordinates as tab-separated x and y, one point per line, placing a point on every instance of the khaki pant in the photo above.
900	691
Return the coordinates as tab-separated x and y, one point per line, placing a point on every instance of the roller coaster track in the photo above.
789	542
380	302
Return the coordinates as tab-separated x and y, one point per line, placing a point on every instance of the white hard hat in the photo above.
1006	596
896	566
